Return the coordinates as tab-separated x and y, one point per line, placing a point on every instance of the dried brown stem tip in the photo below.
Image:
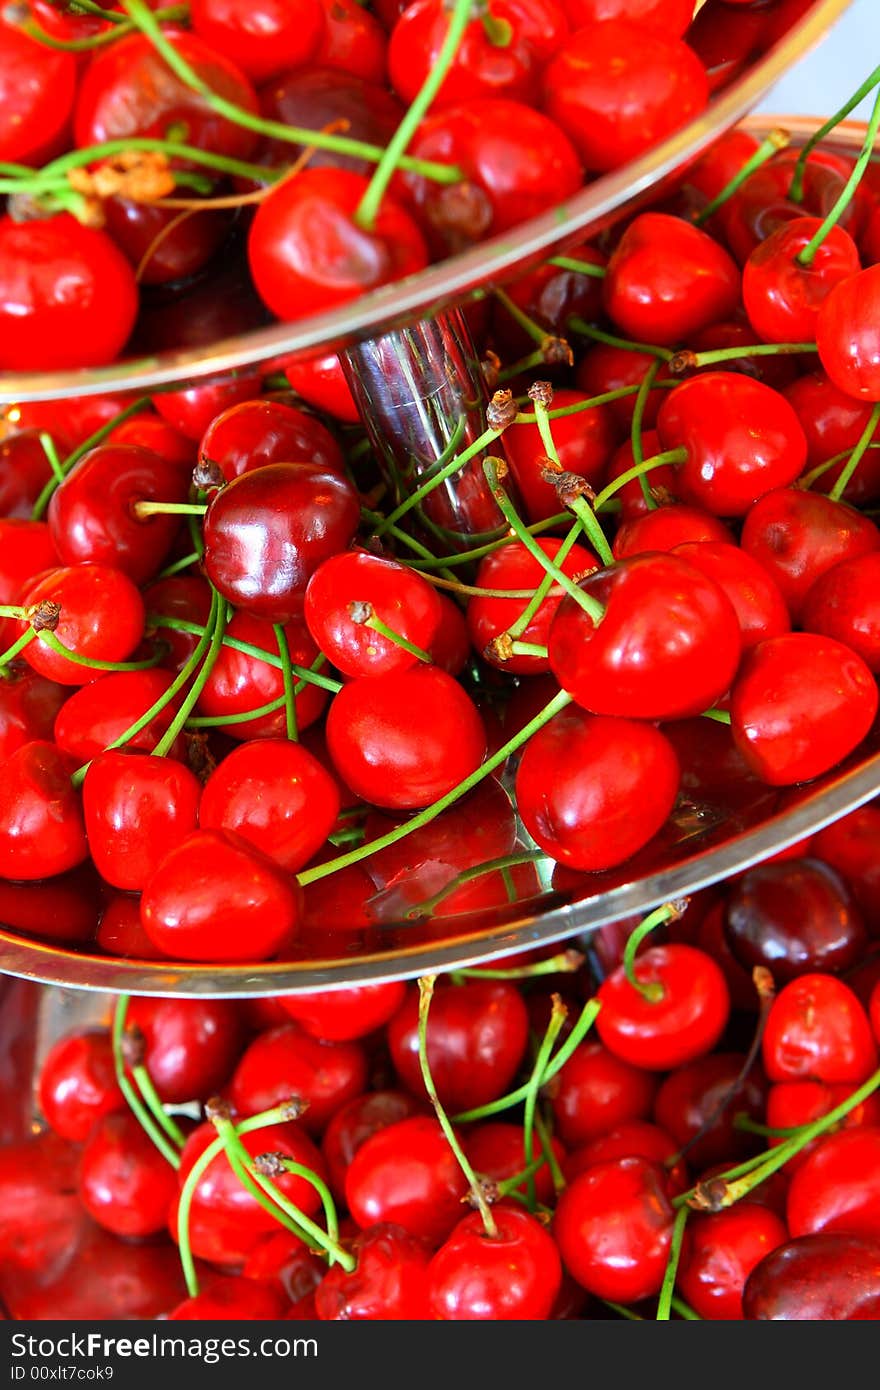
710	1196
208	476
45	616
270	1165
500	648
490	366
217	1109
541	392
133	1047
681	362
141	176
556	352
570	487
501	410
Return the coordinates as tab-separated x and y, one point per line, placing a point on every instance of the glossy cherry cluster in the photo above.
179	173
683	1123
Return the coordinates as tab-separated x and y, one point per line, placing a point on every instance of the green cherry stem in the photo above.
598	335
430	813
796	187
17	646
636	434
687	361
144	509
565	963
638	470
558	1016
98	437
808	479
857	454
543	1131
51	453
368	208
363	614
426	994
532	329
145	21
541	396
492	866
521	623
596	272
306	674
683	1309
667	912
468	557
721	716
150	1095
290	721
135	1103
529	649
453	466
166	742
29	26
805	257
770	145
664	1302
51	640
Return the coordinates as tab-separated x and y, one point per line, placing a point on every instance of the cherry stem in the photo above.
280	1114
135	1103
303	673
651	990
290	720
729	1187
689	361
585	1021
822	468
51	453
805	257
679	1306
558	1016
145	21
639	470
527	324
491	866
179	565
56	173
455	463
369	206
331	1246
430	813
589	330
636	432
565	963
796	187
591	606
521	623
145	509
857	454
597	272
664	1302
541	394
467	557
52	641
166	742
426	994
364	615
99	435
721	716
18	645
770	145
543	1131
34	31
536	649
144	1083
509	1187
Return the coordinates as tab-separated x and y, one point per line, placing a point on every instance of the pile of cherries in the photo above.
178	173
681	1122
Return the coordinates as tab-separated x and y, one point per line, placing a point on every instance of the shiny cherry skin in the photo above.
128	90
162	250
191	911
850	846
232	1297
681	1019
37	90
93	513
697	1104
797	535
595	1091
353	41
120	932
388	1283
240	681
669	16
759	606
29	706
791	1104
185	596
618	87
623	1259
667	279
481	67
352	1124
286	1061
794	917
799	705
261	39
668	526
584	441
136	811
95	715
257	432
835	1188
24	471
818	1030
512	566
476	1037
342	1015
827	1277
68	296
833	423
282	1258
344	586
41	823
515	165
722	1249
496	1151
27	548
321	381
77	1083
406	1173
191	409
148	430
847	335
513	1274
637	1139
189	1045
226	1222
124	1182
404	740
268	530
102	618
606	368
729	464
299	271
274	794
312	97
842	604
592	790
667	645
782	297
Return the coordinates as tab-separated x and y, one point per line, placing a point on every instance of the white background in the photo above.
824	79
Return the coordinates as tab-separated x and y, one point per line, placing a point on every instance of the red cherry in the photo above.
618	87
353	41
791	1104
818	1030
283	1259
592	791
681	1018
41	824
833	423
256	432
720	1253
476	1040
125	1183
782	297
825	1277
496	1151
636	1139
68	297
322	382
613	1226
847	335
513	1274
136	811
342	1015
842	604
759	606
190	1045
799	705
339	591
191	409
231	1297
102	619
37	89
192	911
77	1083
29	705
667	527
595	1091
850	845
670	16
606	368
835	1188
315	96
24	471
180	596
388	1283
262	39
95	715
406	1173
584	441
286	1061
406	739
698	1103
352	1124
